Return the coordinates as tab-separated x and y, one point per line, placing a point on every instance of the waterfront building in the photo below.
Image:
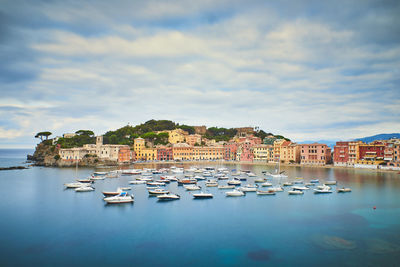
371	152
165	153
277	149
148	153
230	150
208	153
315	154
138	145
354	154
289	152
244	152
182	151
341	153
262	153
193	139
124	154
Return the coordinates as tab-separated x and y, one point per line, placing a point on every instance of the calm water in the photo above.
44	224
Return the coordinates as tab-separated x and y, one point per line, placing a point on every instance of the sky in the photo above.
308	70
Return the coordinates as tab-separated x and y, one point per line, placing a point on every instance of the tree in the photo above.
43	134
85	132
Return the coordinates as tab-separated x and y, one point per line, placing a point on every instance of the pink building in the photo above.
165	153
315	154
245	152
230	150
193	139
341	153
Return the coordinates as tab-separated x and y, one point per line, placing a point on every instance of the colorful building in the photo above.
182	151
193	139
262	153
165	153
315	154
208	153
289	152
230	150
277	149
244	152
341	153
124	154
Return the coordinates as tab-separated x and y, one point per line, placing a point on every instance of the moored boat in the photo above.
202	195
123	197
112	193
344	190
192	187
226	187
234	193
234	182
266	192
330	182
168	196
295	192
158	191
75	185
84	189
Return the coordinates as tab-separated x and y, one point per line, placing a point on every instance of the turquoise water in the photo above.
44	224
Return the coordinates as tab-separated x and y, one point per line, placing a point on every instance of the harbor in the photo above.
356	228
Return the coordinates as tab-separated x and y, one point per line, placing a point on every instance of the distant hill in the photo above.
370	139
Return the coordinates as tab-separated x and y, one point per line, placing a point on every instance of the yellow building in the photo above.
277	149
208	152
262	152
149	154
142	152
182	151
193	139
175	136
354	152
289	152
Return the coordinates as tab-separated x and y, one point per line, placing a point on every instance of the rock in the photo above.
13	168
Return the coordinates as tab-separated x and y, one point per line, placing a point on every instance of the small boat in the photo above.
223	177
198	177
300	188
137	182
192	187
259	180
314	181
330	182
155	184
126	188
163	181
86	181
112	193
248	188
309	184
112	175
187	181
211	183
235	193
234	182
242	178
100	173
276	188
323	187
250	174
344	190
287	184
75	185
168	196
84	189
99	177
298	181
226	187
158	191
202	195
266	184
268	192
295	192
123	197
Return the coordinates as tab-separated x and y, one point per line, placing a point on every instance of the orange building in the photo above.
193	139
208	152
182	151
124	154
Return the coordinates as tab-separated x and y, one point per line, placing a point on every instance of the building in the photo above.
269	140
193	139
341	153
124	154
244	152
182	152
262	153
354	154
200	129
175	136
230	150
289	152
244	131
277	149
208	153
138	145
315	154
165	153
69	135
371	152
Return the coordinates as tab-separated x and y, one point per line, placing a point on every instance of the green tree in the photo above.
85	132
43	134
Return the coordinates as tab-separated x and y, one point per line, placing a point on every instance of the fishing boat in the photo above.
123	197
344	190
169	196
198	177
226	187
202	195
163	181
259	180
99	173
322	189
267	192
84	189
85	181
187	181
155	184
234	193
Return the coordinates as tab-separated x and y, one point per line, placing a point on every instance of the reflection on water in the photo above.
46	224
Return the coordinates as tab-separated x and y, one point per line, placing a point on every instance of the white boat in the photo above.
155	184
223	177
198	177
344	190
287	184
301	188
137	182
323	187
211	183
202	195
266	184
169	177
75	185
278	173
112	175
248	188
276	189
98	177
112	193
250	174
234	193
84	189
100	173
123	197
267	192
192	187
298	181
177	170
259	180
330	182
234	182
207	174
309	184
295	192
226	187
85	181
158	191
322	191
168	197
126	188
314	181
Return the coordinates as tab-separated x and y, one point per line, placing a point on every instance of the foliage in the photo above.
220	134
281	137
57	157
43	134
76	141
262	134
187	128
85	132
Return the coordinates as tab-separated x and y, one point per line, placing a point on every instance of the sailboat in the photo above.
278	173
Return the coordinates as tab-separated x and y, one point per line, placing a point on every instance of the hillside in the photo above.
370	139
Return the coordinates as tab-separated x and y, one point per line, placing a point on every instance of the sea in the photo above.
44	224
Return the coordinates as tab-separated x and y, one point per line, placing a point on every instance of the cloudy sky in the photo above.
309	70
